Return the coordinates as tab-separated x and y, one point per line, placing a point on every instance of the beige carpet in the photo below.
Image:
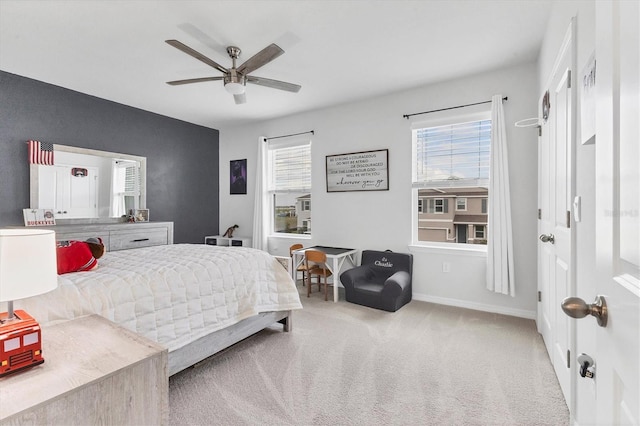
345	364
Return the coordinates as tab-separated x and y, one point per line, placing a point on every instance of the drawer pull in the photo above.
139	240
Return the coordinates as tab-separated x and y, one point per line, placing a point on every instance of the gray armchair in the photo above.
382	281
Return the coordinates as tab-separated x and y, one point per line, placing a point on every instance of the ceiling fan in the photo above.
236	78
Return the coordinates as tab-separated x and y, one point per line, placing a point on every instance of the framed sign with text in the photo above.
38	217
358	171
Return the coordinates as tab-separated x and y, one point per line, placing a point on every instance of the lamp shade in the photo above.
234	88
27	263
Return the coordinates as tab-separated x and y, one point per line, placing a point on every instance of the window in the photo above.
289	186
461	204
437	205
420	205
451	168
30	339
125	187
11	344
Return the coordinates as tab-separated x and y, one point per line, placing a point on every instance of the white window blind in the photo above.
455	155
290	168
125	187
132	180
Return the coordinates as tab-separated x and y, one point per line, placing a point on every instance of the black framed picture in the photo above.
358	171
238	176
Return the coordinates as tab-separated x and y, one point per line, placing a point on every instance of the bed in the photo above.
194	299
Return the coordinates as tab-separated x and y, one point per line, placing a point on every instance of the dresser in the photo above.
119	236
95	372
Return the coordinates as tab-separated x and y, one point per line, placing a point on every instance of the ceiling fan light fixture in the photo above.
235	78
234	88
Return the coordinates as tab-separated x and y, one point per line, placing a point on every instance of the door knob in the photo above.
547	238
578	308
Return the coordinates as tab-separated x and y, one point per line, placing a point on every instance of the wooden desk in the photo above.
336	256
95	372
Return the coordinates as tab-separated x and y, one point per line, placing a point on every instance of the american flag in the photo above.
41	153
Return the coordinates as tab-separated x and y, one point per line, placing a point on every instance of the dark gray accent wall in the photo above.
182	158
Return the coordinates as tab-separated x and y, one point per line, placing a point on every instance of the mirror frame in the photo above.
34	187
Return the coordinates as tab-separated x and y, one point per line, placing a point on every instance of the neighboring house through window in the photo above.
451	178
289	186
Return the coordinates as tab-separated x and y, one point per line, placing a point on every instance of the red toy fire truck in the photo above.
20	343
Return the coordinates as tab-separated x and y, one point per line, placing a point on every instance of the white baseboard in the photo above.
521	313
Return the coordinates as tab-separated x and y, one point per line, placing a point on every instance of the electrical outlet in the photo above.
446	267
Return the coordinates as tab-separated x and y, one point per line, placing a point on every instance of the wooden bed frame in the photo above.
217	341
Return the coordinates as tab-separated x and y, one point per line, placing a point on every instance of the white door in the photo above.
556	235
82	194
617	211
70	196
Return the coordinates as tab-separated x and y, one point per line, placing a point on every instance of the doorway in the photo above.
461	234
556	237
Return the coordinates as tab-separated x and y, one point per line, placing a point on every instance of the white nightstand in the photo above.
95	372
217	240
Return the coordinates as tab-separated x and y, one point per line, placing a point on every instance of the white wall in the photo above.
382	219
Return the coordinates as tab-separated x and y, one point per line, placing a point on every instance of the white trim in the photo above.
472	250
520	313
288	142
290	236
447	118
451	195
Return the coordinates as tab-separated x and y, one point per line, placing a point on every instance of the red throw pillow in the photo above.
74	256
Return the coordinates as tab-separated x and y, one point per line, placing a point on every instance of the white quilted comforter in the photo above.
172	294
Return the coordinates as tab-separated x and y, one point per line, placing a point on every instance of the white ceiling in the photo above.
339	51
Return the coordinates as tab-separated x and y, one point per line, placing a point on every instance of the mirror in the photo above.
89	186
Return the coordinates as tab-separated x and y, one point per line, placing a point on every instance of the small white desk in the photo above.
336	257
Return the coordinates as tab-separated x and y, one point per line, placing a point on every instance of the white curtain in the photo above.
260	224
118	185
500	267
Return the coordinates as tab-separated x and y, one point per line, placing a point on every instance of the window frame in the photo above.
438	206
442	119
273	193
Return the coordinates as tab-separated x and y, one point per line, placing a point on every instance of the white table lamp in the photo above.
27	268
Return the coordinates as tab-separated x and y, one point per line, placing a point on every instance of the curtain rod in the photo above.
286	136
445	109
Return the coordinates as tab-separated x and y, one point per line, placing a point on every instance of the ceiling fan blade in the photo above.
261	58
240	99
193	80
274	84
199	56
